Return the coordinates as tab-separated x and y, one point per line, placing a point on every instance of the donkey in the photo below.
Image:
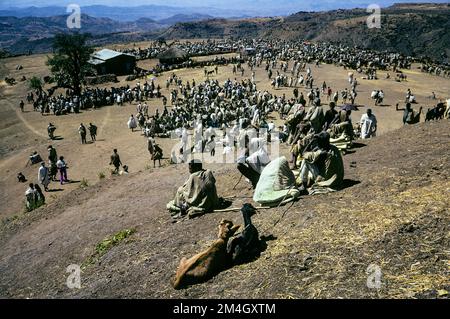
208	263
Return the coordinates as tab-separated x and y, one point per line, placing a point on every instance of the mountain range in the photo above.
162	9
154	12
413	29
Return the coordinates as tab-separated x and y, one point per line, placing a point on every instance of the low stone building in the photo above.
108	61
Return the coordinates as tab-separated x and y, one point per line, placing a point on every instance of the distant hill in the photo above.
412	29
185	18
19	35
155	12
416	29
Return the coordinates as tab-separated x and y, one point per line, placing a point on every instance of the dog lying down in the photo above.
222	254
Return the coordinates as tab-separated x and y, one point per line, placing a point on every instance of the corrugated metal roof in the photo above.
106	54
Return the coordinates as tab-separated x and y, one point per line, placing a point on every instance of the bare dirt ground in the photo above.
394	212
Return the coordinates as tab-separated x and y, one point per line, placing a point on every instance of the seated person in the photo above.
283	133
252	166
301	142
322	168
21	178
198	195
330	115
316	116
124	170
31	197
342	125
35	158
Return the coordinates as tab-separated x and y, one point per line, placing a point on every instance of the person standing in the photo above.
93	131
52	159
211	145
380	97
132	123
82	131
115	160
53	170
151	145
409	115
145	109
368	125
52	155
353	95
329	92
62	167
51	131
40	198
21	105
43	176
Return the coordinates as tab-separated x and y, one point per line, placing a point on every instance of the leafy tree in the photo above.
35	83
69	64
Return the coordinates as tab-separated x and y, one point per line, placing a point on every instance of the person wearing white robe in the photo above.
43	176
132	123
368	125
209	132
256	118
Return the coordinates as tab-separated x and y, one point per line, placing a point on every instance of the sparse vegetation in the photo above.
101	175
9	219
106	244
84	183
35	83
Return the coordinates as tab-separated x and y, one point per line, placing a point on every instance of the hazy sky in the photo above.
289	5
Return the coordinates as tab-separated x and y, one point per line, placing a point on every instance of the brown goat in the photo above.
208	263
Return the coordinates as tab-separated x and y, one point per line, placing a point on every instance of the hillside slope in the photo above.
420	30
19	35
394	213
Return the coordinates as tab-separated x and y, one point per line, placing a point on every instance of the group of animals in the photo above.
225	252
436	113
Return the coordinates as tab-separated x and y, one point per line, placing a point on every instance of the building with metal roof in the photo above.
108	61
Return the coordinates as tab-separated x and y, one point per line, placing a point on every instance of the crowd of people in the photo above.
45	175
199	48
436	69
225	113
61	104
